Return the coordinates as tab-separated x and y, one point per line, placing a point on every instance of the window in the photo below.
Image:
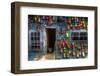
82	36
35	40
75	35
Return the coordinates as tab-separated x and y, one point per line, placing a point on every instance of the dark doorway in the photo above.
51	37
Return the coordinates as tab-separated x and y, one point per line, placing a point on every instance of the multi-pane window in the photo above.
35	40
82	36
75	35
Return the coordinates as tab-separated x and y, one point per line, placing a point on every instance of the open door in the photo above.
51	37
